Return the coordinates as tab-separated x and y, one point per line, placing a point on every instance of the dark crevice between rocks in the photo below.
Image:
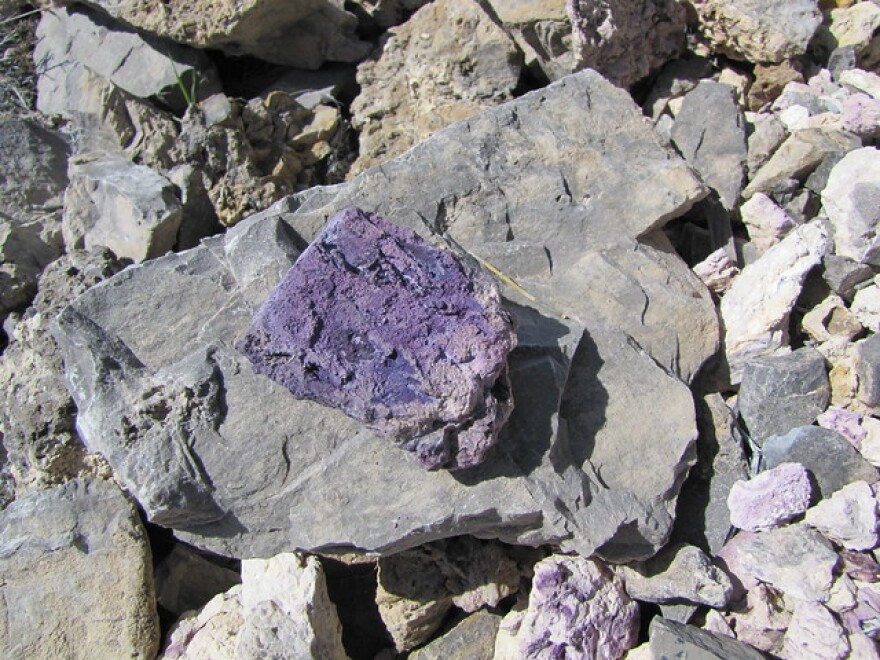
245	77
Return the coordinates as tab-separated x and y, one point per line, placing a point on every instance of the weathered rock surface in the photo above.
577	608
414	86
70	40
210	633
756	308
77	577
758	30
771	498
848	517
795	559
398	334
541	485
852	199
710	133
763	621
321	29
780	392
185	580
766	222
678	573
603	34
843	275
131	209
473	638
814	633
542	31
669	639
832	460
36	412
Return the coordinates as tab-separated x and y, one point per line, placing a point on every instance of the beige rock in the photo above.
763	621
864	81
831	319
870	448
770	80
848	517
423	78
717	271
209	634
857	26
765	135
766	222
542	31
756	308
799	155
842	376
814	634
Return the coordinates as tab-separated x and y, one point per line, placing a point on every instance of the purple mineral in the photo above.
403	336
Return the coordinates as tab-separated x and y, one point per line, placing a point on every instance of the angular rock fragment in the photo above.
848	517
185	580
473	638
396	333
852	201
669	639
771	498
814	634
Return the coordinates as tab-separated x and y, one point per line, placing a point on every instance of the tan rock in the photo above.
831	319
425	78
717	271
542	31
770	80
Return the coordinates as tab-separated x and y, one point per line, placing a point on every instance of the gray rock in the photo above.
759	30
675	79
678	574
827	454
36	411
842	59
766	134
185	580
843	274
702	516
669	639
866	358
710	133
311	88
542	31
76	575
851	199
556	475
472	638
321	29
71	39
131	209
603	34
781	392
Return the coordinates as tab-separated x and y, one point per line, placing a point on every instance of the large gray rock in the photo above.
172	411
710	132
852	199
76	576
321	29
72	39
827	454
131	209
669	639
472	638
781	392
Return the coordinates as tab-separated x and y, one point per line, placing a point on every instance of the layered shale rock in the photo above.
374	320
556	194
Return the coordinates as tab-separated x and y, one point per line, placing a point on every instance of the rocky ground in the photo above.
679	203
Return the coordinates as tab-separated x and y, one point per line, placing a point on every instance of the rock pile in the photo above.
623	302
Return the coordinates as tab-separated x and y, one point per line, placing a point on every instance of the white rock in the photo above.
814	633
851	199
862	647
864	81
717	271
842	596
870	448
756	308
866	307
210	633
766	222
848	517
795	117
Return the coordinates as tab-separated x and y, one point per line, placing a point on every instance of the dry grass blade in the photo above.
17	74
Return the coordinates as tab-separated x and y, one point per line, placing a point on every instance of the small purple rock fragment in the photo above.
771	498
401	335
578	608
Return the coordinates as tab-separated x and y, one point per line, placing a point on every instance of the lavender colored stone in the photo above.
771	498
577	609
374	320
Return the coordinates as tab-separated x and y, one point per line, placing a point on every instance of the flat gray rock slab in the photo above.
236	465
677	640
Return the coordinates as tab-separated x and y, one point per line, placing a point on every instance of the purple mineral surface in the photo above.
401	335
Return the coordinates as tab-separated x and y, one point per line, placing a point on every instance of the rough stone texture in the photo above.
856	26
76	575
843	274
473	638
765	135
710	133
866	365
866	306
321	29
678	573
771	498
795	559
814	633
281	610
717	271
669	639
69	40
846	422
864	81
131	209
36	412
542	485
756	308
377	322
832	460
766	222
185	580
577	608
780	392
702	517
414	85
33	174
861	116
770	80
603	34
852	199
830	320
848	517
763	621
387	13
798	156
759	30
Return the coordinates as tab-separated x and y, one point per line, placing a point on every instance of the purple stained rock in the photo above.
401	335
771	498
